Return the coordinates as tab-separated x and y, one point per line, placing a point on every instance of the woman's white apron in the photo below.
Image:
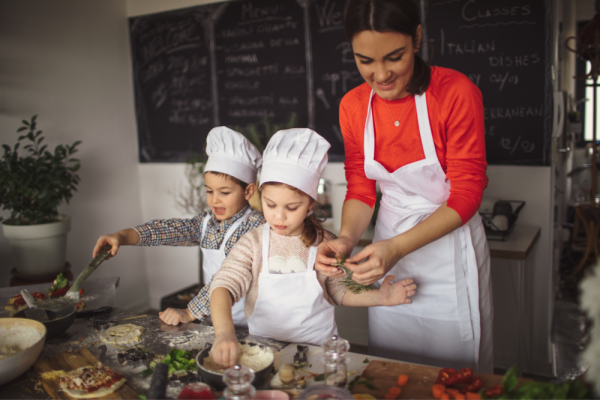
291	307
212	260
449	323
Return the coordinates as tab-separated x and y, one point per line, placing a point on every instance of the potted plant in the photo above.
32	185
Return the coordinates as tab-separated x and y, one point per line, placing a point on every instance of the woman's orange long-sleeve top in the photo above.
456	116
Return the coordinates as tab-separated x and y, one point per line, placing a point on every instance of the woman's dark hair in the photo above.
400	16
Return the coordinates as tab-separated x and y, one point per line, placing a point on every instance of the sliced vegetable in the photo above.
472	396
438	390
395	390
402	380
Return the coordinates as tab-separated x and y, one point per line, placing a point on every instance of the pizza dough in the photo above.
122	335
255	357
91	382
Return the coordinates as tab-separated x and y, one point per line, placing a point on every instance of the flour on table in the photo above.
255	357
122	335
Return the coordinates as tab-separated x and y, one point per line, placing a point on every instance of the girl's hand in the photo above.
173	316
394	294
225	348
382	256
326	253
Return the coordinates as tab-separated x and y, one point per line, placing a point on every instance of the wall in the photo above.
68	62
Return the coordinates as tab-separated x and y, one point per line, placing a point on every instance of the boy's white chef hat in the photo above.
231	153
296	157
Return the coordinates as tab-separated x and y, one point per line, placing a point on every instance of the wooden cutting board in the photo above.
69	362
420	379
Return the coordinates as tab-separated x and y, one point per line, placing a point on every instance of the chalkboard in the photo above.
503	46
172	81
334	69
263	65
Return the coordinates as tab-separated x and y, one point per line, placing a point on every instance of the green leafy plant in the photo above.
192	199
33	185
260	139
350	283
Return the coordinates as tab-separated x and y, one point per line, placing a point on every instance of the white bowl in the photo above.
26	334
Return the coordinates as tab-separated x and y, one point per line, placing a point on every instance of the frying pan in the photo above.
72	296
59	321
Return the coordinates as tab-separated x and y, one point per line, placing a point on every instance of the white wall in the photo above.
68	61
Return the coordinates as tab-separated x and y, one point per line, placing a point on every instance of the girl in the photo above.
273	265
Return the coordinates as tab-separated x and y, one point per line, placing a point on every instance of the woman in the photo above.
418	132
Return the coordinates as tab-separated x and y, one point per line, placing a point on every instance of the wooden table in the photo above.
517	247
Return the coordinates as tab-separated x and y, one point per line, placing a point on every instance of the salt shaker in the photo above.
239	383
336	367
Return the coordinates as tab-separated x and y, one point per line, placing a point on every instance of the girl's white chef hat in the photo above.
296	157
231	153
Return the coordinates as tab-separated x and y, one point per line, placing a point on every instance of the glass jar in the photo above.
239	383
336	364
324	392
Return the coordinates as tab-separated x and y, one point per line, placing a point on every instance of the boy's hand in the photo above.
225	348
116	240
173	316
393	294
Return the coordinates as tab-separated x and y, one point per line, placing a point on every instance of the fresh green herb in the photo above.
366	382
147	372
539	390
180	360
142	396
366	361
353	382
320	377
61	282
352	285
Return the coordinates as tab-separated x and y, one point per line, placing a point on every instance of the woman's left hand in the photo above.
382	256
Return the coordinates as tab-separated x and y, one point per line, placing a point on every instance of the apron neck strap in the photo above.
312	255
204	226
425	126
234	226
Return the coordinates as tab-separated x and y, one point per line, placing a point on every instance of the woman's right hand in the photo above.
327	253
225	348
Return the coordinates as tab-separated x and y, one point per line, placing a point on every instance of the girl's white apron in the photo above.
291	307
449	323
212	260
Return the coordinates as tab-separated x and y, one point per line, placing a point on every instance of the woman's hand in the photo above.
382	256
173	316
116	240
326	253
225	348
397	293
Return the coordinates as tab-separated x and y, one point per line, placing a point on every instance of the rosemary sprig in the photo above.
367	382
352	285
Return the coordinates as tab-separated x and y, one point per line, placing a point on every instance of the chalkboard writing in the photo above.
263	65
260	53
502	46
334	69
171	70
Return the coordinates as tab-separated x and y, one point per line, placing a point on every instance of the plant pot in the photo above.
39	249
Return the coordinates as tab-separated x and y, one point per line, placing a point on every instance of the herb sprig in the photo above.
350	283
366	382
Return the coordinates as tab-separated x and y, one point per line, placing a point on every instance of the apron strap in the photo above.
425	127
369	139
204	226
265	247
312	257
234	227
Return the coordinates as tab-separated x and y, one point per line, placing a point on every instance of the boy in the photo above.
229	177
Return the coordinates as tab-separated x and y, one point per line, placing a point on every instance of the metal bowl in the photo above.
26	334
59	322
215	379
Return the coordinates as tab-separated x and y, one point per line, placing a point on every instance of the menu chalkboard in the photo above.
503	46
260	54
334	70
172	78
262	65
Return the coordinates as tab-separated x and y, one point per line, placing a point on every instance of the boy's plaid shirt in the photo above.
187	232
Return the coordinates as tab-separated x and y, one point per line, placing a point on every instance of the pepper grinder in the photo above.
239	383
336	366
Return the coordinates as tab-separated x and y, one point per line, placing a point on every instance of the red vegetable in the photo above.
444	375
474	385
494	391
